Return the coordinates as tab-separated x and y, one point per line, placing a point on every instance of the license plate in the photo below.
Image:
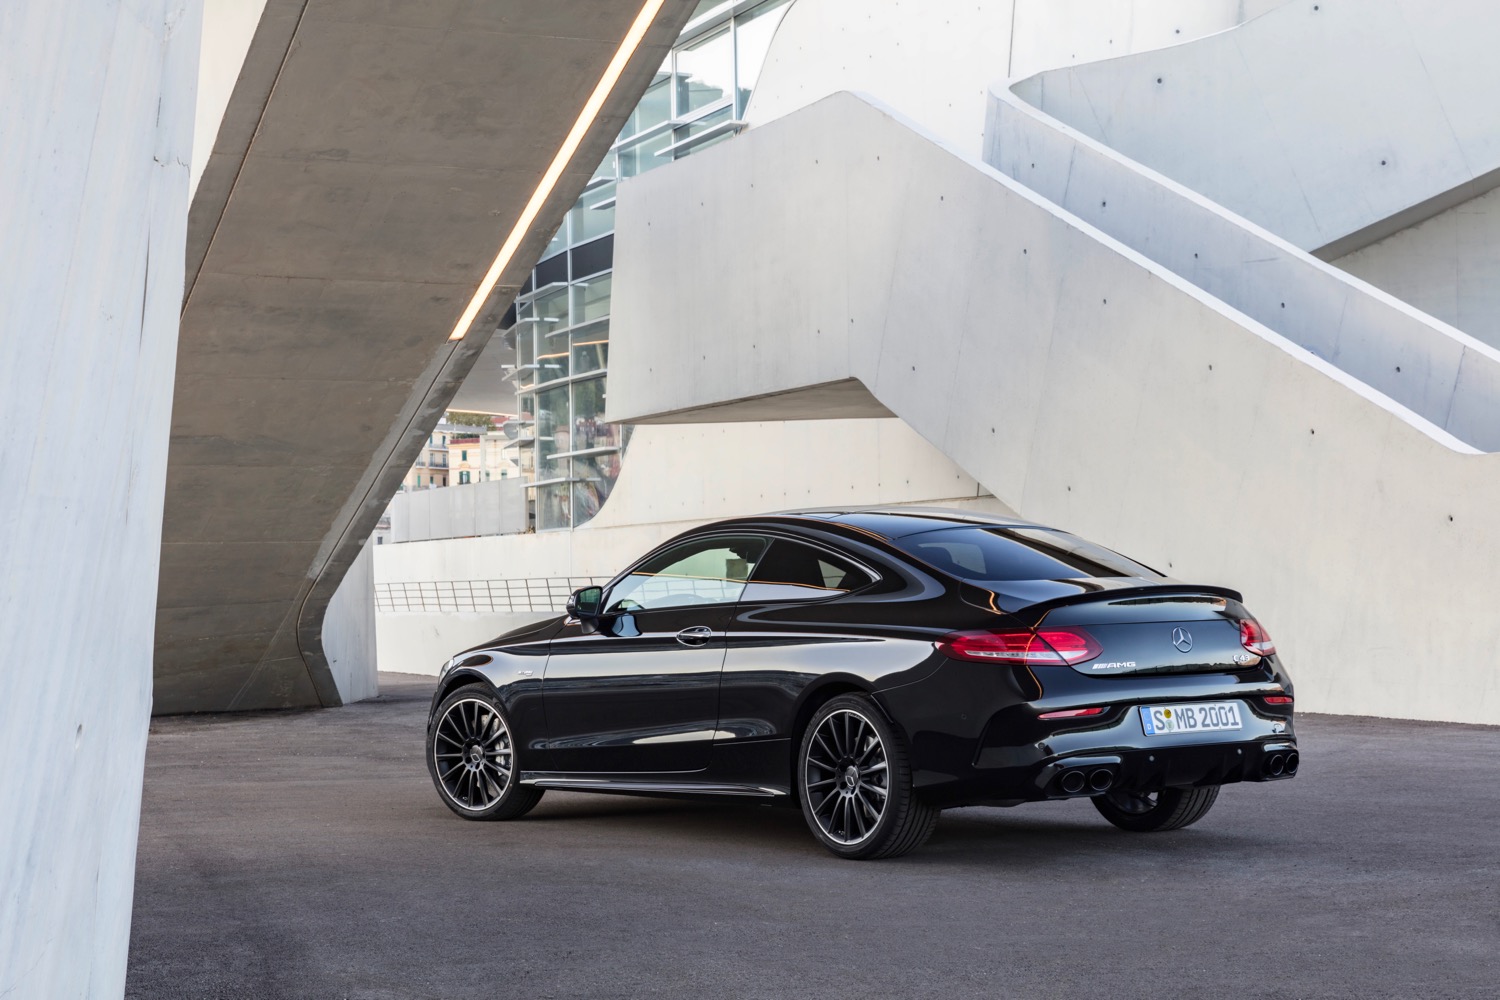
1164	720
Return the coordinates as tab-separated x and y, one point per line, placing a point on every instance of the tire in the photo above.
1153	812
471	758
851	761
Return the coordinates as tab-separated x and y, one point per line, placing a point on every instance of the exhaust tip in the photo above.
1276	765
1100	780
1072	782
1293	759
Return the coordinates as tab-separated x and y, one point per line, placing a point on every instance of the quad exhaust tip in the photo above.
1276	765
1098	780
1293	759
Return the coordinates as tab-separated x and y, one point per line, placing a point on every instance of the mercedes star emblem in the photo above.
1182	639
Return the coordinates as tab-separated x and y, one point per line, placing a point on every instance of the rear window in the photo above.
981	555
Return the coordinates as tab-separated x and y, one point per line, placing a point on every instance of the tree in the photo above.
464	419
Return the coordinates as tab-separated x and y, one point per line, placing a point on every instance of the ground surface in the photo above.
306	855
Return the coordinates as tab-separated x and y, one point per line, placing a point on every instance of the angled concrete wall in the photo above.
1448	266
370	163
1332	123
96	110
1082	383
1439	372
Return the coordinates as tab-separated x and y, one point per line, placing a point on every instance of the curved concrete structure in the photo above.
1332	123
1083	383
369	165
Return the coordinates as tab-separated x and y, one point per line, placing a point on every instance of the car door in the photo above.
640	692
785	634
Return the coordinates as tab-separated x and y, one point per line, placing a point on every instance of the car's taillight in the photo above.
1048	645
1278	699
1253	636
1074	713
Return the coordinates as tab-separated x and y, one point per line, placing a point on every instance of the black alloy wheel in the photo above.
854	780
472	760
1152	812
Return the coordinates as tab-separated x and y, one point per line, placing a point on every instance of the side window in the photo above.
703	571
793	572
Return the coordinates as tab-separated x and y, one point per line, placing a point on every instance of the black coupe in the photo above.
874	667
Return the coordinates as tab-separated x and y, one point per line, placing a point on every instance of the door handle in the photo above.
698	635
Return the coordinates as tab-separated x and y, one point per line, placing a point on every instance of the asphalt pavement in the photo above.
306	855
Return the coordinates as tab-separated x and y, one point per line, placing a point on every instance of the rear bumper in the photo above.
1008	755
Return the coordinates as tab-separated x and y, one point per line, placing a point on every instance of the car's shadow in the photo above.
990	837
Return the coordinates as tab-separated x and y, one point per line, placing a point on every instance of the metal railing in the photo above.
534	595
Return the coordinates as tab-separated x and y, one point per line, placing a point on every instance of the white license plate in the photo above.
1164	720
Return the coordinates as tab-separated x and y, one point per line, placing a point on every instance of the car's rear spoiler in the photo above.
1034	612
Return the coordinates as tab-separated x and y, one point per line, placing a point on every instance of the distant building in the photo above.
431	468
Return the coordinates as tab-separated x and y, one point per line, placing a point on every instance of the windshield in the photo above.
996	555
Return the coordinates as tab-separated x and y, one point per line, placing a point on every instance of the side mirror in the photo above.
585	603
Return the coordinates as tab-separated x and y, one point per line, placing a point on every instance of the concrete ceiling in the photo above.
372	160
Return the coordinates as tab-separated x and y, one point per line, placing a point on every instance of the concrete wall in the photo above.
1448	266
349	631
1332	123
1082	383
96	110
493	508
1441	373
933	62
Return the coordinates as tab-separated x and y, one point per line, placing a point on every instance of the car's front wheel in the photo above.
1151	812
472	758
854	778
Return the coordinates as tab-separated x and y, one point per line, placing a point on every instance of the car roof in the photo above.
897	522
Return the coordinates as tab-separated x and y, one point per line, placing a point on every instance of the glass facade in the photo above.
560	321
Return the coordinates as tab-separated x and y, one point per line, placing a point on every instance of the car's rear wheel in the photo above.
1151	812
472	758
854	778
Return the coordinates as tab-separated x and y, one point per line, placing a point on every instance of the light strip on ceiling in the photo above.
565	153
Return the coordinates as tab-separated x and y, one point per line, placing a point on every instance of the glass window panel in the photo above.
640	157
591	258
705	571
591	298
596	475
591	348
553	361
752	39
559	242
552	311
705	72
588	415
989	555
655	105
703	124
792	572
525	354
590	221
704	6
554	508
553	427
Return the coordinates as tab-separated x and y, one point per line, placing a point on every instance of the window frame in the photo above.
872	575
770	536
668	546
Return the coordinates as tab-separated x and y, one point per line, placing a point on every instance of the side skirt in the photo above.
633	786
